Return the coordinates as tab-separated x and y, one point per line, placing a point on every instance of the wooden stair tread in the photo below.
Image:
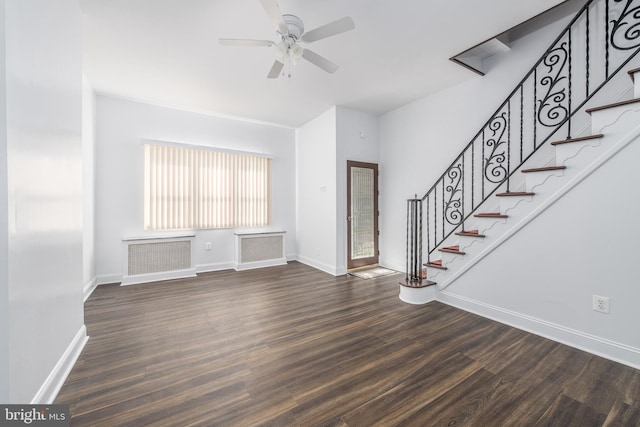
632	72
578	139
615	104
515	194
452	250
491	215
436	264
544	169
421	284
470	233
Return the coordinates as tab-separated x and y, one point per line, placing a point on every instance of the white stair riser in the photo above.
604	119
615	124
536	179
636	85
575	153
487	225
509	203
435	274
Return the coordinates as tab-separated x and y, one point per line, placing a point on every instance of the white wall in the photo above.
120	126
323	147
357	139
44	155
542	278
4	210
420	140
88	183
316	192
584	244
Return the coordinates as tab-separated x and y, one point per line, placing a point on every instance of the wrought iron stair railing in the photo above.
596	44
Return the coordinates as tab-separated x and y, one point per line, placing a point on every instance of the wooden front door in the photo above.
362	214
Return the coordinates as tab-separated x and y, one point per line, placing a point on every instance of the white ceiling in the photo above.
166	52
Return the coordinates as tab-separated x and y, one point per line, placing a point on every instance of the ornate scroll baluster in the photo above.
494	169
625	34
453	205
551	111
544	101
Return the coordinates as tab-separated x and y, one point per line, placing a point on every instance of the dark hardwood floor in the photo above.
292	346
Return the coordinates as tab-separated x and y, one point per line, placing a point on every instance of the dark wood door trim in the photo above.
364	261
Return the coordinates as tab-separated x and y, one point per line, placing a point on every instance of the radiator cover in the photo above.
157	258
256	250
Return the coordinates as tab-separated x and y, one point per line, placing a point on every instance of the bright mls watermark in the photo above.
35	415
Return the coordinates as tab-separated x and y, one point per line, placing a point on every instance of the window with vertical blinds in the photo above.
187	188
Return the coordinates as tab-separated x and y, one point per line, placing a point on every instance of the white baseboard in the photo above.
228	265
260	264
331	269
394	267
341	270
107	279
607	349
218	266
155	277
89	288
52	385
104	279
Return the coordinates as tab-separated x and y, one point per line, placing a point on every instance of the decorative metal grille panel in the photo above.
362	213
262	248
145	258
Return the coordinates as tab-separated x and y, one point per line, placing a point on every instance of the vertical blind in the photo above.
187	188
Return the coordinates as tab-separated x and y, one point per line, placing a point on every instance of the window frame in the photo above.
200	188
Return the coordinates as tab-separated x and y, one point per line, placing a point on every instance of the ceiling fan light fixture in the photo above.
290	30
289	53
295	52
282	50
294	25
291	50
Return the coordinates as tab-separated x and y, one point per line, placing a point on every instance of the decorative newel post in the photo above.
414	241
415	289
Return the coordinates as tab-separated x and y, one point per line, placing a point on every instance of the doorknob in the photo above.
349	218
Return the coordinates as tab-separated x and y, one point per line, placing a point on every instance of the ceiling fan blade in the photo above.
275	70
319	61
330	29
245	42
274	14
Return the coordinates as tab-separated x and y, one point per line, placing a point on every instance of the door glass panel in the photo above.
362	214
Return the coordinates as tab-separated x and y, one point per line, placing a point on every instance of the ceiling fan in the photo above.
290	29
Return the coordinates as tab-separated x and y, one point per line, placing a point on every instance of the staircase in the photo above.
576	108
613	126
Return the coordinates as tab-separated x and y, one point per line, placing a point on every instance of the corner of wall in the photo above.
88	289
43	104
54	382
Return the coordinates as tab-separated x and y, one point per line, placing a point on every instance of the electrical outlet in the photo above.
601	304
207	246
